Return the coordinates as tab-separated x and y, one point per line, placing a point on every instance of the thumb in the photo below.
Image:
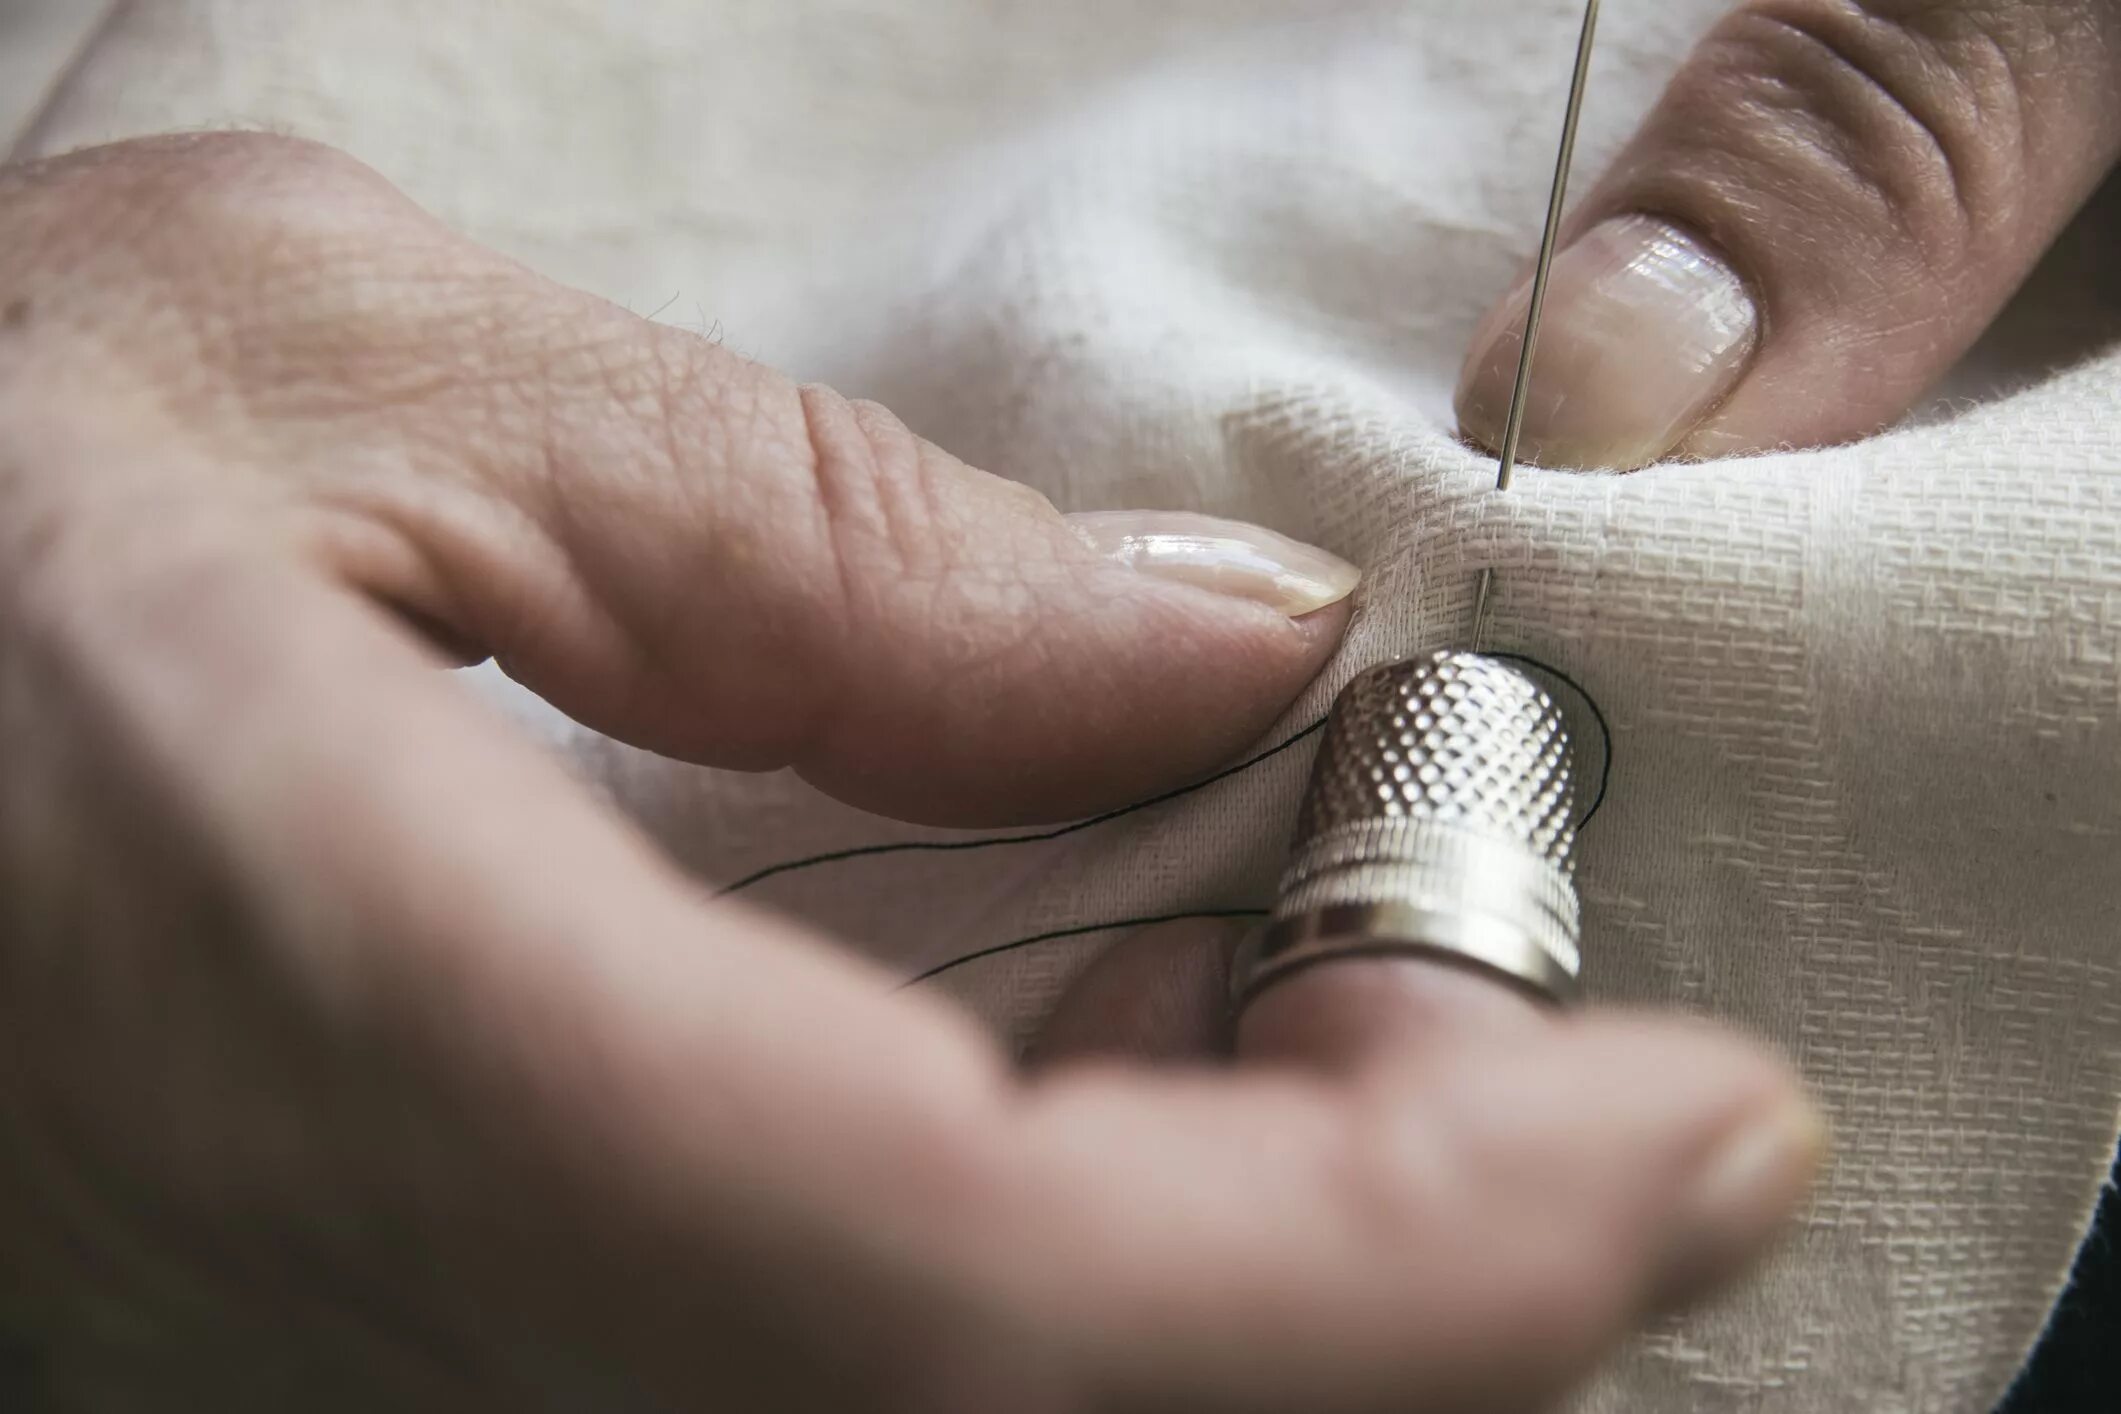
691	552
1830	204
671	543
798	580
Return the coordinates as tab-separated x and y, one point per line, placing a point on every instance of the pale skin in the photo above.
352	1055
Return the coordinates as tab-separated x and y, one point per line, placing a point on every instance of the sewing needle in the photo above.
1513	426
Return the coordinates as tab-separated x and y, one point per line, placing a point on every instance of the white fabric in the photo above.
1866	702
39	39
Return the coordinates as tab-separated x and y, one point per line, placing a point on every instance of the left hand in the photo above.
352	1056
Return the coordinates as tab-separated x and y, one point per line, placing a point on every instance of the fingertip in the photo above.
1090	679
1823	212
1647	330
1692	1145
1739	1200
1658	1156
1321	630
1232	558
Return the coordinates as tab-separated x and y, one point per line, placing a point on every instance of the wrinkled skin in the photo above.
1876	178
352	1056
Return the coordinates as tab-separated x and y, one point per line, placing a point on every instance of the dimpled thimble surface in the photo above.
1440	819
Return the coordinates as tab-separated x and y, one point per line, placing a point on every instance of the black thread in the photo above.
1605	777
838	856
1055	936
1040	837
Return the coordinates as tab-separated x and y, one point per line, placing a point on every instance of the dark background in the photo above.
2077	1367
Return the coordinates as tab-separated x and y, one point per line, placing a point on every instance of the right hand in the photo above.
352	1056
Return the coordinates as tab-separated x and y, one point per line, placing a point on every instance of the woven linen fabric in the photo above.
1865	703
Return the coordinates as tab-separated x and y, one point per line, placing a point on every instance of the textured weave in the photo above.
1866	703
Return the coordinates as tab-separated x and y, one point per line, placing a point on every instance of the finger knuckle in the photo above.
280	210
152	256
875	488
1893	119
924	554
196	228
240	172
162	189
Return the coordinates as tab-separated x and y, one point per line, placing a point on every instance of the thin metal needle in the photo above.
1513	426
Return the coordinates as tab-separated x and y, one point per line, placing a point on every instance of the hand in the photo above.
1832	202
354	1057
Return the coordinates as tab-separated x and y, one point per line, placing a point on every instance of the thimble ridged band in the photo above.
1435	866
1290	945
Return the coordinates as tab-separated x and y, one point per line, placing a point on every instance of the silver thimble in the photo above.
1440	822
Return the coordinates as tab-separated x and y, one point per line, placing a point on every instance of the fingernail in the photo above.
1224	556
1646	331
1740	1198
